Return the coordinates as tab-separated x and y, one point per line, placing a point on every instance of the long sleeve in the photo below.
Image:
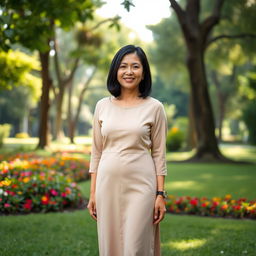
158	139
96	150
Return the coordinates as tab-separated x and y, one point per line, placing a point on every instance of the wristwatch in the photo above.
161	193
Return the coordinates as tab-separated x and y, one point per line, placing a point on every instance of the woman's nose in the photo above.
129	70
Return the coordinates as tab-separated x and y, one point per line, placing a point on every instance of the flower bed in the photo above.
28	188
73	167
218	207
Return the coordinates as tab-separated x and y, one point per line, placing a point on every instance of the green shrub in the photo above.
174	140
4	132
249	117
21	135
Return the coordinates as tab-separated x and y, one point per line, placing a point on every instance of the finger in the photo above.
161	215
156	213
92	210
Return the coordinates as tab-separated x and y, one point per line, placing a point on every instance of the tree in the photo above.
197	31
32	24
79	51
19	83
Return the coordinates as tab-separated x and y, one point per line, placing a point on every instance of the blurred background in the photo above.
54	61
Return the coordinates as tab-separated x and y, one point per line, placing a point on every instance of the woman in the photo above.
128	164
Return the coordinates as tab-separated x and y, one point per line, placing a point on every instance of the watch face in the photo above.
162	193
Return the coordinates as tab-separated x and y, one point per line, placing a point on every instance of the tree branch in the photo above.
72	73
214	39
80	101
115	19
56	60
178	10
195	6
208	24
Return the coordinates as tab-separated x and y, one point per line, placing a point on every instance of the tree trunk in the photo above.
71	128
58	134
221	103
207	145
196	35
191	138
44	103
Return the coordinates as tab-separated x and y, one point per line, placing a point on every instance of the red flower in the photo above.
9	192
45	199
194	202
204	204
179	201
28	204
64	202
237	207
215	203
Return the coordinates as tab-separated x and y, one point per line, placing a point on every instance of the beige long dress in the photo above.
128	152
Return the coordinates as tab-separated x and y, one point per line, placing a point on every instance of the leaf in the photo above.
127	4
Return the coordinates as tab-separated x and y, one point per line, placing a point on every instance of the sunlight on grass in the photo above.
186	244
188	184
239	152
206	176
14	141
178	156
64	144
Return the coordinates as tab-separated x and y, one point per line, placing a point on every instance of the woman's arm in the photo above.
96	152
92	202
160	209
158	152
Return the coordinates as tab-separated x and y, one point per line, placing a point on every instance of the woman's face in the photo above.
130	72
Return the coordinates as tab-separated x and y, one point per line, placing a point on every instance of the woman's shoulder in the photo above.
102	101
156	102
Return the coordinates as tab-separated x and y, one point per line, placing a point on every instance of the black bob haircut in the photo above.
114	86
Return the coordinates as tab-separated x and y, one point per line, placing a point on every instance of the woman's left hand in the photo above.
159	210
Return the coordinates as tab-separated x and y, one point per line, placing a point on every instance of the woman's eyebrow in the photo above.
132	63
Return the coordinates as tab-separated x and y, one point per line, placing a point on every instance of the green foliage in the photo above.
249	117
174	140
127	4
30	23
4	132
170	111
16	70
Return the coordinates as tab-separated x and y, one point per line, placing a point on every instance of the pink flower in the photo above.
53	192
6	205
63	194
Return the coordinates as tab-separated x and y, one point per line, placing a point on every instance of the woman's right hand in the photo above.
92	207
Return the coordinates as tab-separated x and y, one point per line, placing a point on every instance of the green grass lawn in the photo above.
74	233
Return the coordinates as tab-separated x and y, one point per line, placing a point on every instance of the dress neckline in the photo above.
129	107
